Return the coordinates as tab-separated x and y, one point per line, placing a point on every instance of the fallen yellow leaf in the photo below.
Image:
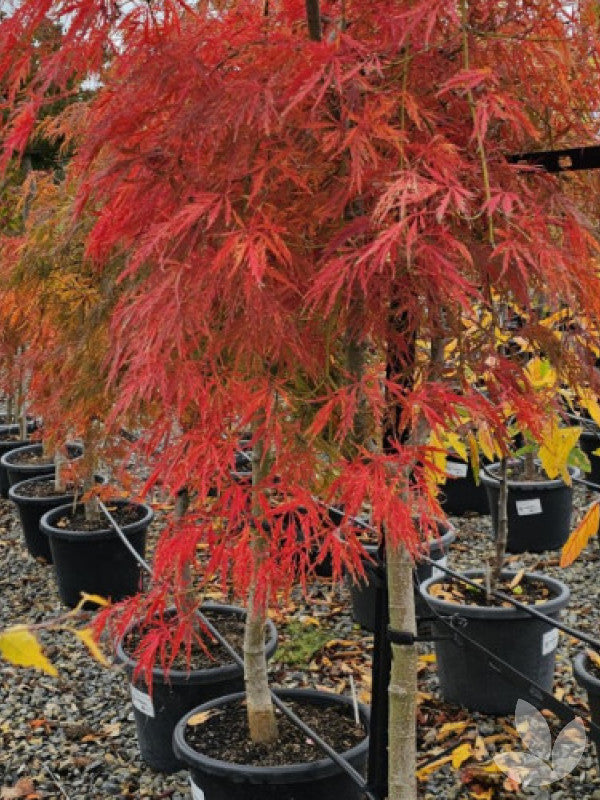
201	717
449	728
461	754
19	646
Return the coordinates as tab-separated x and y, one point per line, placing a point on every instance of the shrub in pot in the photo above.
526	643
217	779
174	692
33	497
89	556
539	509
12	438
31	461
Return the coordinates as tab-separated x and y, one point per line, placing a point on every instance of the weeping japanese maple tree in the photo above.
312	201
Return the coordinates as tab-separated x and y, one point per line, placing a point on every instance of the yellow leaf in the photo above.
86	635
94	598
432	767
581	535
437	472
484	794
591	405
427	658
461	754
541	374
306	620
555	450
594	657
448	728
487	443
453	442
19	646
201	717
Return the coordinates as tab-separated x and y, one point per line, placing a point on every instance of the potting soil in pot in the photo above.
224	735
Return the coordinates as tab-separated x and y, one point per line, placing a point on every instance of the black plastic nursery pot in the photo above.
363	592
17	472
589	441
97	561
6	445
461	494
212	779
539	512
524	642
158	708
32	509
587	680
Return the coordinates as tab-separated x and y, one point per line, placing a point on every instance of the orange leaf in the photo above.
581	535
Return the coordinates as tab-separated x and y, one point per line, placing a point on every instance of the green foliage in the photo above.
302	642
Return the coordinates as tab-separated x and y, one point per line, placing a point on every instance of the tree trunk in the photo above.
402	691
59	461
261	713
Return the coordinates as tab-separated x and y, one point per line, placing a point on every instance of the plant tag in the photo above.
142	701
456	469
197	793
436	572
549	641
526	508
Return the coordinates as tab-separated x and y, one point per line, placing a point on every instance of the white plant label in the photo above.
197	793
525	508
436	572
142	701
549	641
456	469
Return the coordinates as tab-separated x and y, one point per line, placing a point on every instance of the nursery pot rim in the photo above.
583	676
14	495
129	528
302	771
6	460
542	484
179	676
551	606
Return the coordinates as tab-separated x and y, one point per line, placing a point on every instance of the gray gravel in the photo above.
74	737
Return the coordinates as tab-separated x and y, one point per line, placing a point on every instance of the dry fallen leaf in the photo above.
517	579
594	657
449	728
22	788
461	754
201	717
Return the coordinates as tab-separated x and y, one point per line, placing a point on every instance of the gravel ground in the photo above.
74	737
